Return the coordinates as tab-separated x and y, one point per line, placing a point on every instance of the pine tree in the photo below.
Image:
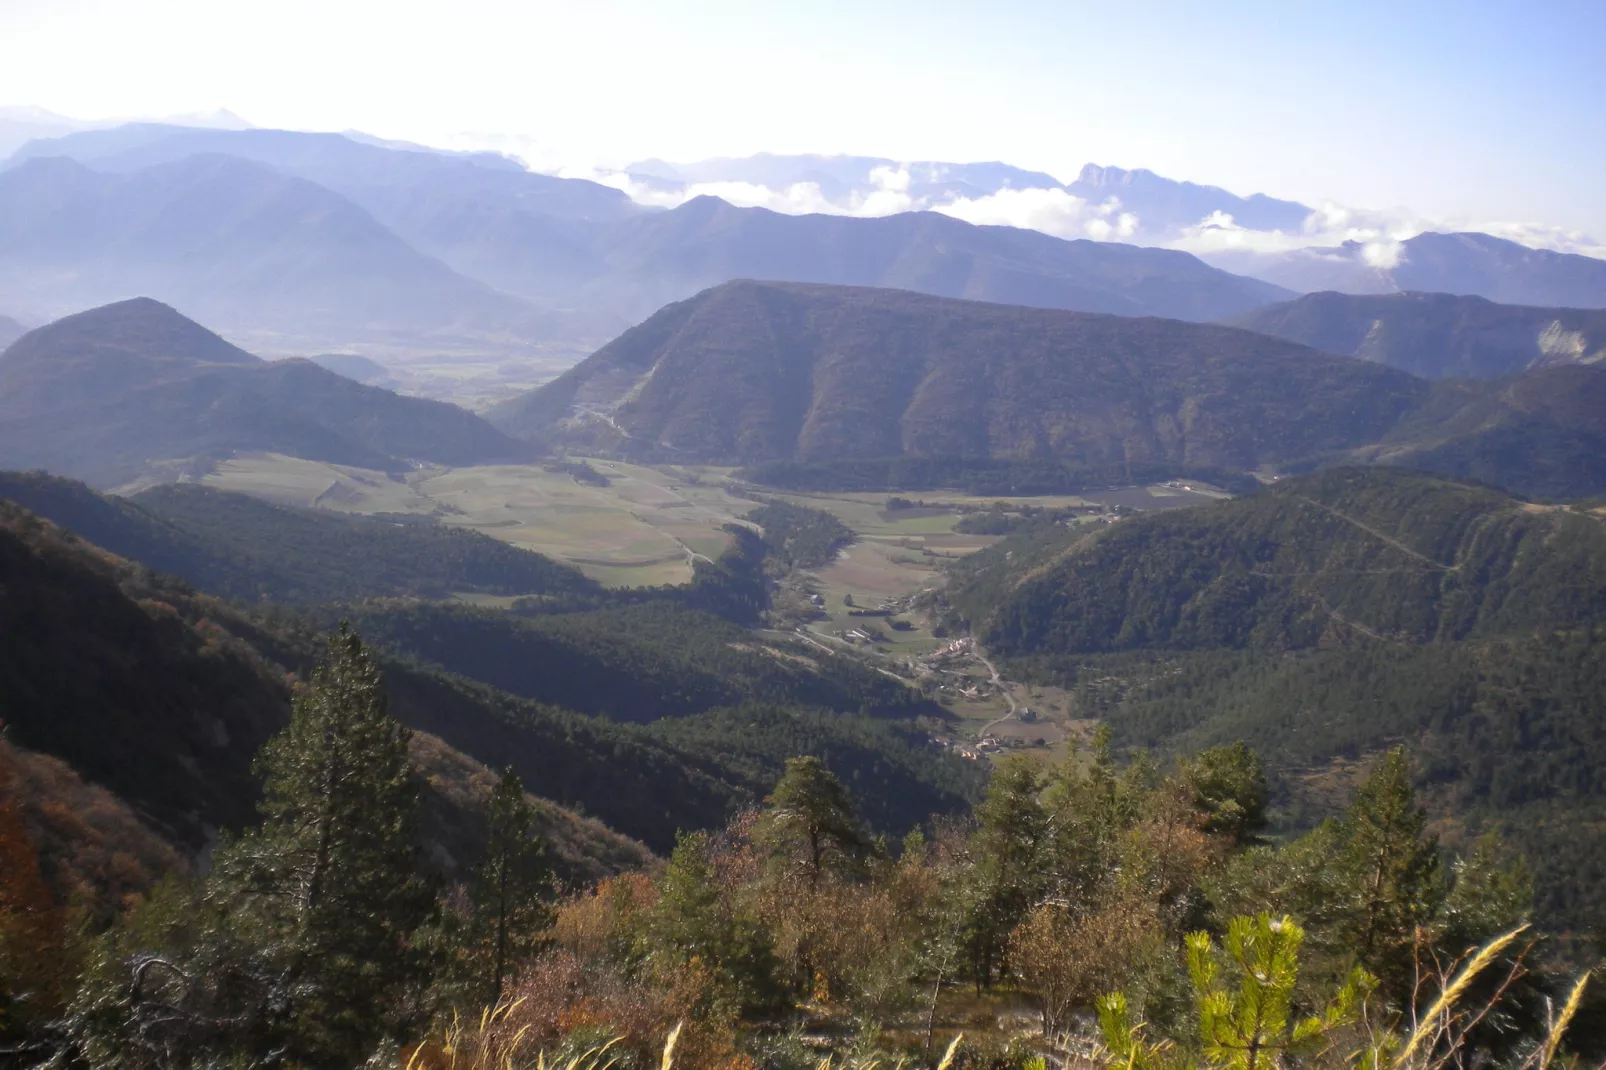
328	885
809	824
1389	873
507	913
1244	1003
1230	790
1007	874
692	924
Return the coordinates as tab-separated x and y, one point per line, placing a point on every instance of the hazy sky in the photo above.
1473	109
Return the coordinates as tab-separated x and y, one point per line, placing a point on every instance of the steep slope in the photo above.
1340	557
1328	618
1435	336
163	697
243	548
107	395
1541	435
668	256
754	371
1469	264
236	242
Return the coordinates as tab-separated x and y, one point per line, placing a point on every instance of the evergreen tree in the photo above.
691	923
328	885
1245	1006
809	824
1230	790
1006	876
508	915
1388	873
1087	808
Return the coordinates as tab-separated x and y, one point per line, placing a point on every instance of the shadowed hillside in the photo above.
1436	336
1541	435
164	697
754	371
105	395
243	548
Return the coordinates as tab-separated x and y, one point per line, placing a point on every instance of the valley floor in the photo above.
631	525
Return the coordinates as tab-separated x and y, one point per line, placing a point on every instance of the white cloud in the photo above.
1052	211
887	194
887	191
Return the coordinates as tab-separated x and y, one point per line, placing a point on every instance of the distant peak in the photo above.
139	326
1094	175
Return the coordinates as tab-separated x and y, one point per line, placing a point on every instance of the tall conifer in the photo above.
329	882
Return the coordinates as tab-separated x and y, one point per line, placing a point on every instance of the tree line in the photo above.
1140	896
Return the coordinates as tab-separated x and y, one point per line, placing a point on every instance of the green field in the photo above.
649	523
643	528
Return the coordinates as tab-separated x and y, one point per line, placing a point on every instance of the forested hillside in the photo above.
1336	558
632	662
162	697
750	372
243	548
193	773
1330	616
1541	435
1436	335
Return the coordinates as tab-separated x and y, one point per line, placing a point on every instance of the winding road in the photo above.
998	682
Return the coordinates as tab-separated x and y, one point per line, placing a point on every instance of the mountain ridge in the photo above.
1435	335
753	371
1465	263
117	391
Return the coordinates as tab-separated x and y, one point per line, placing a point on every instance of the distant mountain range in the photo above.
1470	264
118	392
1436	336
372	239
667	256
10	331
22	124
311	242
750	372
239	243
1163	208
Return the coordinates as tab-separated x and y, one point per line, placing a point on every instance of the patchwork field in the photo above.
630	525
644	527
637	525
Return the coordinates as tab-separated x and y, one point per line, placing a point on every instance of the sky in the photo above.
1467	110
